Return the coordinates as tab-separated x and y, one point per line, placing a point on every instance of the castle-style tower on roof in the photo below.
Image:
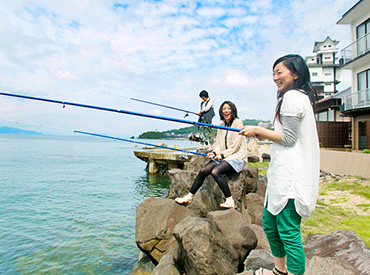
325	75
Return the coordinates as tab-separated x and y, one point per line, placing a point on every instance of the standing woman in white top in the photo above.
293	174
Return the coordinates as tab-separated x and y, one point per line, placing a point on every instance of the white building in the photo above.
325	75
356	57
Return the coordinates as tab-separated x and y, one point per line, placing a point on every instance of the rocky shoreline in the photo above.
204	239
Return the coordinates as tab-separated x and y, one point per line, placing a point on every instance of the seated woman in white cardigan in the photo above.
229	155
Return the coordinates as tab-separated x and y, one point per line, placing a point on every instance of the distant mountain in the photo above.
188	130
11	130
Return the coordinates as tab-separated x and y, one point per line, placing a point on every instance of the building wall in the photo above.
356	23
334	134
340	118
355	131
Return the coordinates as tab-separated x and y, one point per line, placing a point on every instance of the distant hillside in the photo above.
11	130
184	132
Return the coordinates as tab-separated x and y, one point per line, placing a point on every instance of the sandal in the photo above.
275	271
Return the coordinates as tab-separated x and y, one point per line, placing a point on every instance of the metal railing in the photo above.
356	49
359	99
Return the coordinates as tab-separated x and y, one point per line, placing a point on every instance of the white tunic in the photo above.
294	171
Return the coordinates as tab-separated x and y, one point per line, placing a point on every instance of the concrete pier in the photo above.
155	157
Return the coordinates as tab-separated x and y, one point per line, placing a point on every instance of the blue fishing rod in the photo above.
139	142
64	103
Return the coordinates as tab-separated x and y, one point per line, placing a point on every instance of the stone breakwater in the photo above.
204	239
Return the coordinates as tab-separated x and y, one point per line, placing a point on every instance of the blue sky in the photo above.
104	52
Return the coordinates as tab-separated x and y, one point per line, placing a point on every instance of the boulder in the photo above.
261	186
259	258
144	265
343	244
204	248
181	181
266	157
252	148
253	159
166	266
236	231
262	242
255	208
155	221
328	266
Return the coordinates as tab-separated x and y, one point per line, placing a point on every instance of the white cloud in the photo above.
161	51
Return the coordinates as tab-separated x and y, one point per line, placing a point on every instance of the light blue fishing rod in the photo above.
122	112
165	106
139	142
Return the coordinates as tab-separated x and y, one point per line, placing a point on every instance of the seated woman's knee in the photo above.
215	172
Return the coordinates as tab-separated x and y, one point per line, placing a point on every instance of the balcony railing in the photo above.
359	99
356	49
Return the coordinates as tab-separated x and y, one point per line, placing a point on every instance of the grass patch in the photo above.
355	188
328	219
262	167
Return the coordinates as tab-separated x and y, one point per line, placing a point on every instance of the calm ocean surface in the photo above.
68	204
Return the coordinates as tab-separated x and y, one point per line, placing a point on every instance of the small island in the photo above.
183	133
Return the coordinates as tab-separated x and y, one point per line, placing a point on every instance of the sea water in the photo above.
68	204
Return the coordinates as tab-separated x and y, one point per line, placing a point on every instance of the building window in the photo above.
314	74
323	116
327	73
363	40
363	84
327	57
331	114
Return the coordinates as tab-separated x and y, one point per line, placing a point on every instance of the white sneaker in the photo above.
185	200
229	203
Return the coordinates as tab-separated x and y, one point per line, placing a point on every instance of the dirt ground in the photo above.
344	198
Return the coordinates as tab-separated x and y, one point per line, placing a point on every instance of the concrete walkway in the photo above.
345	163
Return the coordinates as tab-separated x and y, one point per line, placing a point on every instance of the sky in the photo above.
104	53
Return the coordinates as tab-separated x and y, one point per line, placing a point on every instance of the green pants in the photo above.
205	133
283	233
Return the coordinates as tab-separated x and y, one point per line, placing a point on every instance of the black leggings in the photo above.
216	170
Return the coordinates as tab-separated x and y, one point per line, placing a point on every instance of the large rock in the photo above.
261	186
253	148
166	266
155	221
144	265
181	181
314	266
328	266
204	248
259	258
262	242
254	204
236	231
344	244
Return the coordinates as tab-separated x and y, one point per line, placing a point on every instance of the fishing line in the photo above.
109	137
139	142
39	125
64	103
153	103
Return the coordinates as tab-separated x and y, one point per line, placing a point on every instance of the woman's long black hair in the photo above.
296	65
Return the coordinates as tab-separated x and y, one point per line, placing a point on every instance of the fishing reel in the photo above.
184	157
